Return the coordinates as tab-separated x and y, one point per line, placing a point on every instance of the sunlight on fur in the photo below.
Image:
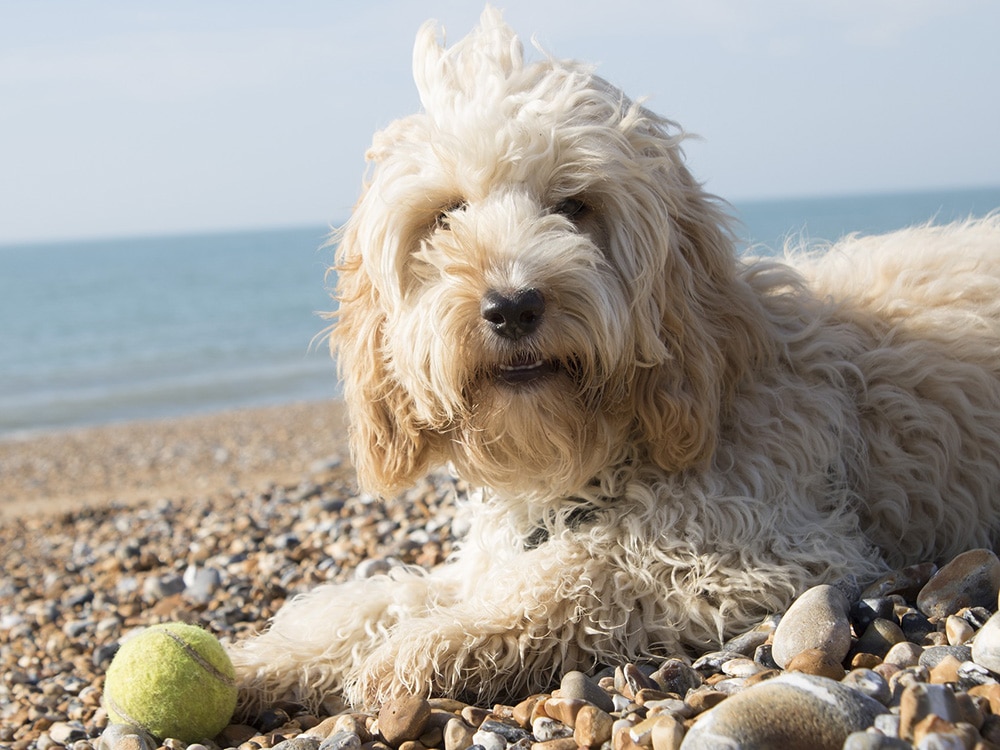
671	442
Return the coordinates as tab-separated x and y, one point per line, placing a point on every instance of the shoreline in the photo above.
174	458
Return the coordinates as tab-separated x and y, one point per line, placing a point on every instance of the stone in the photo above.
593	727
403	719
933	655
125	737
816	662
342	740
986	645
488	740
879	637
872	741
674	676
578	685
545	729
817	619
958	630
508	731
457	735
905	581
920	700
972	579
746	643
903	655
299	743
825	712
565	709
668	733
870	683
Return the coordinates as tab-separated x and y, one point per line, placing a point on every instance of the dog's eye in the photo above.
443	219
572	208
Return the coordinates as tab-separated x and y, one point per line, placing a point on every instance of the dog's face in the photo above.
526	280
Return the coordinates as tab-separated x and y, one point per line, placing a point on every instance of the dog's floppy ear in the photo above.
388	446
709	324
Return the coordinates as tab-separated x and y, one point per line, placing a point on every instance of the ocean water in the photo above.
103	331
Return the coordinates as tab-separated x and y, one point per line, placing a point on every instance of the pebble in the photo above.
972	579
403	719
825	711
577	685
818	619
986	646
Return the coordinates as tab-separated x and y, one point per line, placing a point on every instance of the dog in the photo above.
671	441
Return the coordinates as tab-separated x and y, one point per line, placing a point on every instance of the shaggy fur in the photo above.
672	442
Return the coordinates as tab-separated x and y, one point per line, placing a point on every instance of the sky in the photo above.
130	117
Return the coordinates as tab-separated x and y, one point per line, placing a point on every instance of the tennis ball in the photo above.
172	680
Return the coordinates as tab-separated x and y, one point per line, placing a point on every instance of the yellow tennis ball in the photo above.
172	680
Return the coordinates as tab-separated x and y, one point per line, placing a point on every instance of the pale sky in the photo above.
123	117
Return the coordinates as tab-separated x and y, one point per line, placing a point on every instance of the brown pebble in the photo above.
563	743
762	676
432	737
235	735
991	693
593	726
446	704
646	695
524	712
668	733
403	719
563	709
946	670
865	661
816	662
412	745
474	716
703	699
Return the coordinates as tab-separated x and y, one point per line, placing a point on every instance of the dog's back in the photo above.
925	306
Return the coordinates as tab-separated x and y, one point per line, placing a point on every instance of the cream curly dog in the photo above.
671	441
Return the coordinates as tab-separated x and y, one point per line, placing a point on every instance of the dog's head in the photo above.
532	285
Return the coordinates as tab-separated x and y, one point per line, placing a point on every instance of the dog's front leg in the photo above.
316	642
516	627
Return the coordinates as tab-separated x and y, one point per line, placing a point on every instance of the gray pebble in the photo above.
301	742
200	584
342	740
935	741
879	637
125	737
817	619
489	740
873	741
545	729
869	683
933	655
577	685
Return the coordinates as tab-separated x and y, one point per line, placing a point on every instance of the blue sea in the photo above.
94	332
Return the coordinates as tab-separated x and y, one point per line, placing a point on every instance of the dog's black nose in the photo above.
515	315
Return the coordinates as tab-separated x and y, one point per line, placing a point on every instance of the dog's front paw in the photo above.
439	659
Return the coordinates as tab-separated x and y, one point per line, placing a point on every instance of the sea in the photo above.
100	331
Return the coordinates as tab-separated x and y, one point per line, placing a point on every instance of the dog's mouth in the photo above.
525	370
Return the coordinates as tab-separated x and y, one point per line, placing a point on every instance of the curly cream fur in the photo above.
716	435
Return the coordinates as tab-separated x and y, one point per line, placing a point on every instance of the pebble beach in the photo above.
216	520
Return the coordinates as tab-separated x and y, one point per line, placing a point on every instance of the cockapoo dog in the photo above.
671	441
